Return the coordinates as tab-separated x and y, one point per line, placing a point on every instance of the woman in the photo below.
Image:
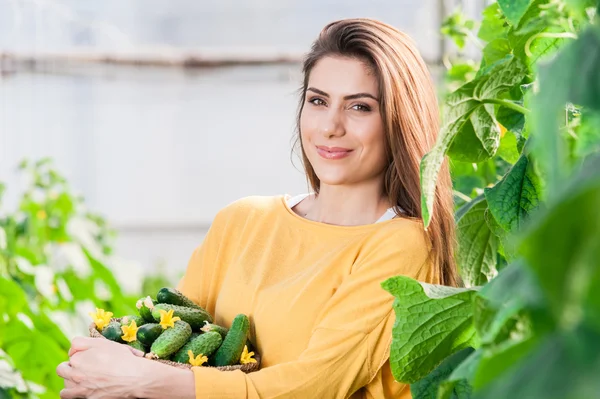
308	270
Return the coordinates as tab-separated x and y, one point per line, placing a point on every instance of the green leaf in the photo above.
516	196
477	245
470	118
12	297
427	388
527	39
562	366
562	249
571	77
508	148
432	323
514	9
493	26
496	360
503	305
496	50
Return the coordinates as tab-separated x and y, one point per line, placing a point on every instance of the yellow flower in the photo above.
247	357
166	318
101	318
198	360
41	214
129	332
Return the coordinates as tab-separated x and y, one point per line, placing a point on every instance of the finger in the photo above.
72	393
83	343
136	352
64	370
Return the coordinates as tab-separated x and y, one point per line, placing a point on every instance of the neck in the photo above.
348	205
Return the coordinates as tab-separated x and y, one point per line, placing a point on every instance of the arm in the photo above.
349	344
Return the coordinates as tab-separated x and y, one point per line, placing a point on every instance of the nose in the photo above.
332	123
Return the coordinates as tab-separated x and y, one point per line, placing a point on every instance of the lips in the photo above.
333	152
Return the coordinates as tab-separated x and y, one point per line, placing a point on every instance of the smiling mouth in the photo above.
333	152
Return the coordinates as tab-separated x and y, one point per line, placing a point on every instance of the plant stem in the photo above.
508	104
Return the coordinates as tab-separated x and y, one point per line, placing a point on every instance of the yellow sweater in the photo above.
312	291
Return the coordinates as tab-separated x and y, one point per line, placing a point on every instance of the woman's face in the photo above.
341	125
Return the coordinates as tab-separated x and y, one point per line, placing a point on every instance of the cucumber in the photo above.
137	345
175	297
194	317
233	345
171	340
214	327
145	306
113	331
148	333
205	344
139	321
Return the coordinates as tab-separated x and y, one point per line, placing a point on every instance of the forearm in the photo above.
167	382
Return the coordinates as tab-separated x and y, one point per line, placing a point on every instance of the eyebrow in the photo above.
349	97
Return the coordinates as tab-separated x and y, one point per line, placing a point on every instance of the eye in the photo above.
316	101
361	107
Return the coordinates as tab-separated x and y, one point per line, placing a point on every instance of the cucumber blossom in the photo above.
171	340
148	333
230	351
175	297
194	317
214	327
205	344
113	331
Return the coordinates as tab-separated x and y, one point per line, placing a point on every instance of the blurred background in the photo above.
126	126
161	113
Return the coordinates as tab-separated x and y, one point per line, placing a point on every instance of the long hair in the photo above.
409	109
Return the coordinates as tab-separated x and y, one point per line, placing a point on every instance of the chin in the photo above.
333	178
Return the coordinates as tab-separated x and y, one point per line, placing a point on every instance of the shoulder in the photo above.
248	207
401	246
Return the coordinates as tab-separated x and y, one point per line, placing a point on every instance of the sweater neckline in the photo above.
326	226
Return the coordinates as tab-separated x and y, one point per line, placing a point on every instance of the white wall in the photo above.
160	151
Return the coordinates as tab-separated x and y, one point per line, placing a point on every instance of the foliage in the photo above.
56	266
523	139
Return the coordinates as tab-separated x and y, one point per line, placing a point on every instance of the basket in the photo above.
246	368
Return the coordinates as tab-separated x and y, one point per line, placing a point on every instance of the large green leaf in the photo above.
461	376
514	10
571	77
536	23
493	26
562	366
516	196
502	307
432	323
562	247
477	245
427	388
470	132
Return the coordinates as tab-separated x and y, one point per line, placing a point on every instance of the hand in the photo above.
102	369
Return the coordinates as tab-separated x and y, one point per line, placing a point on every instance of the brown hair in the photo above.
409	109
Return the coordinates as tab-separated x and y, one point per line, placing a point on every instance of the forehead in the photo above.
343	76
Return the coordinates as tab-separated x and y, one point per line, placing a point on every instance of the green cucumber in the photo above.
194	317
139	321
113	331
232	347
148	333
175	297
145	306
137	345
214	327
171	340
205	344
